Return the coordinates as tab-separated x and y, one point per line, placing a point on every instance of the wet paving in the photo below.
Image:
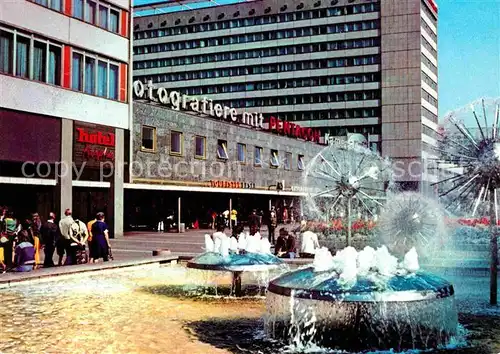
157	310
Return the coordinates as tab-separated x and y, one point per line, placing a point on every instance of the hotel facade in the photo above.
65	108
343	66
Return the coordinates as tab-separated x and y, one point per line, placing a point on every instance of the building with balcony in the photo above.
341	66
64	106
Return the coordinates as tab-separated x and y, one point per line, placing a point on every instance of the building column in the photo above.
230	210
116	191
179	207
64	189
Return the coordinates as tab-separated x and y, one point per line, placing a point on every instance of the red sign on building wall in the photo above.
93	144
293	130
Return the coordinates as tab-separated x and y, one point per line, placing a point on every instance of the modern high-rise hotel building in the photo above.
343	66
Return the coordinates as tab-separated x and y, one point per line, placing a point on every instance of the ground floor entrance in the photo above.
25	200
145	208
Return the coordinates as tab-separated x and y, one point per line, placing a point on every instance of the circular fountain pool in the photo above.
236	263
401	311
233	262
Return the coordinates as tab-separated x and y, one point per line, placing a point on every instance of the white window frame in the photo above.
31	37
109	7
97	59
49	2
224	147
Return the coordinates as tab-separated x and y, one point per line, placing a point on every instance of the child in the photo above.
2	256
24	258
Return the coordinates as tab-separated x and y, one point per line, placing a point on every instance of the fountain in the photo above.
345	180
369	299
471	161
250	253
362	301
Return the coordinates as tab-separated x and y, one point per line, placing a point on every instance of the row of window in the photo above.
430	15
429	98
330	114
428	30
429	115
258	53
262	69
302	99
258	36
282	84
96	12
426	78
261	20
428	63
429	132
35	58
149	144
30	57
95	76
358	129
429	47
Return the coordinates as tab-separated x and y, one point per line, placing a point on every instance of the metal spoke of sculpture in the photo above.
409	220
473	161
345	179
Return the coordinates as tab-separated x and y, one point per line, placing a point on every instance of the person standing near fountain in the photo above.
50	234
254	222
100	239
271	226
285	245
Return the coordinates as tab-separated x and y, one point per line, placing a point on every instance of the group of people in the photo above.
21	243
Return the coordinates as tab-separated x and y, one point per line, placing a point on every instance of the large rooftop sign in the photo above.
178	101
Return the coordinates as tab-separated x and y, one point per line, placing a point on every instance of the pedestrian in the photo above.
271	226
100	239
79	235
35	225
63	242
71	230
24	256
226	217
234	218
11	228
254	222
214	216
3	215
50	235
89	240
286	245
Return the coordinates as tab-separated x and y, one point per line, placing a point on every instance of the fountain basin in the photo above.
415	311
236	264
247	262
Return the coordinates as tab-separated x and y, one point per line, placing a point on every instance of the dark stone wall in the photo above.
161	165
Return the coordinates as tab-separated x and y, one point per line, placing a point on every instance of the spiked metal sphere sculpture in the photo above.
342	174
473	160
409	220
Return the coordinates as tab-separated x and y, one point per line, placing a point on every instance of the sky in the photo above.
468	50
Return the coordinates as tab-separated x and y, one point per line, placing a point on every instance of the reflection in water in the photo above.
152	310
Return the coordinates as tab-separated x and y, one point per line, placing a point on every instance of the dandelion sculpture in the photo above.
344	178
473	163
410	219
